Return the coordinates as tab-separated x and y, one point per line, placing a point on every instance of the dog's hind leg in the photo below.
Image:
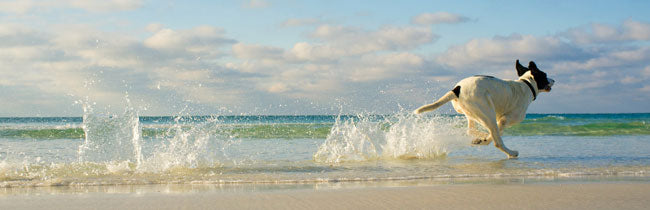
482	138
487	117
502	123
472	130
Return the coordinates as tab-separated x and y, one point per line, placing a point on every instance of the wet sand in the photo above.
597	195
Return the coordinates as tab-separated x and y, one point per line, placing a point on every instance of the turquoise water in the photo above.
99	149
319	126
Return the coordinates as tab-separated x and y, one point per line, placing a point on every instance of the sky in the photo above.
290	57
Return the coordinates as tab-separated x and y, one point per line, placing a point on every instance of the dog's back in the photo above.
506	95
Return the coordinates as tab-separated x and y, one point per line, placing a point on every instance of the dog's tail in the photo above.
451	95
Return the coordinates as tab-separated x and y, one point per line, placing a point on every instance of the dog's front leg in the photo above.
489	121
498	142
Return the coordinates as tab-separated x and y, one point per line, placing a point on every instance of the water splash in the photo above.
111	137
115	140
198	146
400	136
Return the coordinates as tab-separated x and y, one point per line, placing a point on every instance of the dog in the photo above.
495	103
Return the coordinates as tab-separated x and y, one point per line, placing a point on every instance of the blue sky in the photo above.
313	57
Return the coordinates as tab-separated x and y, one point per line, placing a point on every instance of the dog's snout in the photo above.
551	81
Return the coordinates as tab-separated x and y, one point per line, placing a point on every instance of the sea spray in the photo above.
352	139
200	145
111	137
414	136
116	142
399	136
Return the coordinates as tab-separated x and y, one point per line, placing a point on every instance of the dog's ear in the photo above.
532	66
521	70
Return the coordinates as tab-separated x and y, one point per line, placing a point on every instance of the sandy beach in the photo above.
596	195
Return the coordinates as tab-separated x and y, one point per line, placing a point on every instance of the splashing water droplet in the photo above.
400	136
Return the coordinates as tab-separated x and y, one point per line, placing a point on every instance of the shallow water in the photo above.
126	149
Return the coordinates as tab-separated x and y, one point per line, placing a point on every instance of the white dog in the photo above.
495	103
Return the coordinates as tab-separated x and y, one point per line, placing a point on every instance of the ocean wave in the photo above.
590	129
322	130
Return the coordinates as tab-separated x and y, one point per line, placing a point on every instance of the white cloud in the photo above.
247	51
645	88
202	39
341	40
166	39
636	30
384	38
106	5
610	59
367	67
630	80
335	42
438	18
26	6
278	88
154	27
204	67
385	66
79	61
629	30
339	57
318	52
501	50
20	36
18	7
646	72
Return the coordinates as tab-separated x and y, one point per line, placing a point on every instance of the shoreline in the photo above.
542	195
63	186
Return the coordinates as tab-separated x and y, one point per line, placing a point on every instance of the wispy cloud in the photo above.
630	30
367	67
105	5
500	49
438	18
26	6
81	61
295	22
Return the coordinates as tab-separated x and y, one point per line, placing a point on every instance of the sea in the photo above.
126	149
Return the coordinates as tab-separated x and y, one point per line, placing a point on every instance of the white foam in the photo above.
111	137
399	136
198	146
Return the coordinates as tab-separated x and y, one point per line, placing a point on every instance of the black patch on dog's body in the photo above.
456	91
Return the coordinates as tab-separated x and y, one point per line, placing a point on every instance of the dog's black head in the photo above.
544	83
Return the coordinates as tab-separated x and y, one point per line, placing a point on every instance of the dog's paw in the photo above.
513	154
480	141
